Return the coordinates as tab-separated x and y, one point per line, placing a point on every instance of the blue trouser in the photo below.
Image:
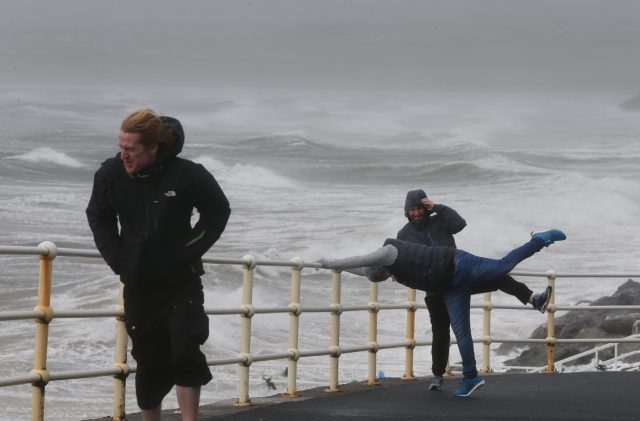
473	271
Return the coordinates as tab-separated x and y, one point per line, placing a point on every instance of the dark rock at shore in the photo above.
586	324
632	104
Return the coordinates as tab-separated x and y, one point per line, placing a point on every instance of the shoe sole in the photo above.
435	387
477	386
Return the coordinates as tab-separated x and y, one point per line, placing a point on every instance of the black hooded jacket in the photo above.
422	267
156	246
436	228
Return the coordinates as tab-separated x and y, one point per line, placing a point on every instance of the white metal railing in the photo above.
595	351
43	314
600	365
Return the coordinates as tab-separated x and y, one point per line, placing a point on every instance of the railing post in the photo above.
245	330
334	358
120	380
551	339
42	331
487	306
410	337
294	324
373	332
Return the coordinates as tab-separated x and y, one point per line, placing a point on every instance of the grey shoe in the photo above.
541	301
436	383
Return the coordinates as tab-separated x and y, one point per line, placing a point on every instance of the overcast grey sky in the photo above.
358	44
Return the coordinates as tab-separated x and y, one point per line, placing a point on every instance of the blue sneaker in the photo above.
467	387
550	236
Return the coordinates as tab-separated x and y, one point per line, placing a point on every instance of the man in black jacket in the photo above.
434	225
151	193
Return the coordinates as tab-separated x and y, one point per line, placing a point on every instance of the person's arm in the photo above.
383	256
103	221
362	271
213	208
453	222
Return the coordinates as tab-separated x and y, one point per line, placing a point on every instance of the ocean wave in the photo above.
48	155
440	171
245	175
456	171
283	144
451	139
422	142
559	159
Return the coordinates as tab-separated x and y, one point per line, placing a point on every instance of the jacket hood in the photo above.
412	201
174	125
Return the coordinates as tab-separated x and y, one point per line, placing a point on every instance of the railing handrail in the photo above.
596	349
77	314
608	344
77	252
44	314
578	275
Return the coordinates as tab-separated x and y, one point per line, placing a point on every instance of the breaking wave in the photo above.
48	155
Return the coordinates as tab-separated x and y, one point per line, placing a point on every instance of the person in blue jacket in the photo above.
435	224
140	215
454	273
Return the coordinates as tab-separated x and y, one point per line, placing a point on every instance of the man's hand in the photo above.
428	203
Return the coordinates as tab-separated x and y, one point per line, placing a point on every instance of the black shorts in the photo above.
167	348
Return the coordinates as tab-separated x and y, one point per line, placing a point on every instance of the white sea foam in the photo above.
242	175
213	165
48	155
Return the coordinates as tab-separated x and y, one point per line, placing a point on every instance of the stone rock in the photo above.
632	104
621	326
585	324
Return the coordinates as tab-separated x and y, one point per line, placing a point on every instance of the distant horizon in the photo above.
621	93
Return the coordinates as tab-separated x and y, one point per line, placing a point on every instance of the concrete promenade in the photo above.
568	396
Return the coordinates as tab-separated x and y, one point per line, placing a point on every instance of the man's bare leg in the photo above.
189	402
152	414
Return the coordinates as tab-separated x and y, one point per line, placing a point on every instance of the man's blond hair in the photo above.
149	125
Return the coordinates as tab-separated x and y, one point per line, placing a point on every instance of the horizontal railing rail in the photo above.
594	351
43	314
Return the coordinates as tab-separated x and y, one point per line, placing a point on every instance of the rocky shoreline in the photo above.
586	324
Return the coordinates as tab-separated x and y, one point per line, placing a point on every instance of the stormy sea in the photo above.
312	174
